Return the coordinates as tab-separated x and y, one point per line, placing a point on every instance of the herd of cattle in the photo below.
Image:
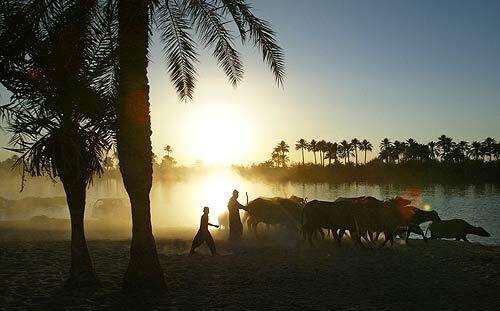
363	217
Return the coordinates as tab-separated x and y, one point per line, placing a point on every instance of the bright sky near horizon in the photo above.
361	69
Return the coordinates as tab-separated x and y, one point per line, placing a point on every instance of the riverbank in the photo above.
378	172
272	272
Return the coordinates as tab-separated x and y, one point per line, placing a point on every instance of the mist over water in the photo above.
180	203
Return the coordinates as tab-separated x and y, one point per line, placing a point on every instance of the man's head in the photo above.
235	193
206	210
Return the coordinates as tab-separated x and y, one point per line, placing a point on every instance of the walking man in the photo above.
203	234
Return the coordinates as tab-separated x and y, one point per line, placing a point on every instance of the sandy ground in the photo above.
268	272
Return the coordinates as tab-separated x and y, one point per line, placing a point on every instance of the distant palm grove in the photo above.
443	161
355	151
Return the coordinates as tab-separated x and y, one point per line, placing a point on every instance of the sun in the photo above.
219	134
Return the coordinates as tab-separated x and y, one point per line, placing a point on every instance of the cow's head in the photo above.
481	232
433	216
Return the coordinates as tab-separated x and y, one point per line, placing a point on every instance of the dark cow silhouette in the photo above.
455	229
361	216
274	211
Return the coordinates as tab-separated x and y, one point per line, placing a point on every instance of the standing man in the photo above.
235	225
203	234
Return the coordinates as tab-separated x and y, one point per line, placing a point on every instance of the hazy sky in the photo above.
365	69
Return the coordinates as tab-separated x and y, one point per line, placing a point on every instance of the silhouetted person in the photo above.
235	225
203	234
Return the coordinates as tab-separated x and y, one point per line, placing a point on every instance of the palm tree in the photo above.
398	148
276	157
432	150
411	150
282	148
497	151
365	146
60	111
313	146
355	145
301	145
346	150
475	150
385	148
331	152
322	149
445	145
168	150
177	21
489	146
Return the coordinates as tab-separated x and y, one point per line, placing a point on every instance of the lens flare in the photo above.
427	207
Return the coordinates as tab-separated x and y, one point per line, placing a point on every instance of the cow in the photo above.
333	216
274	211
358	215
457	229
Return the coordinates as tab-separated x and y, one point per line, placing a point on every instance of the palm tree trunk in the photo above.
134	142
365	156
302	156
81	273
315	162
356	152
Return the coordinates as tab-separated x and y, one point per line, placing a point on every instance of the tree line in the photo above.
445	149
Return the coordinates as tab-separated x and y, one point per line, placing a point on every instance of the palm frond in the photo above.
210	26
179	49
262	35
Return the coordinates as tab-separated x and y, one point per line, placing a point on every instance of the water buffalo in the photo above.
274	211
455	229
358	215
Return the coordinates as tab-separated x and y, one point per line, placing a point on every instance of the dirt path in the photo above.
262	274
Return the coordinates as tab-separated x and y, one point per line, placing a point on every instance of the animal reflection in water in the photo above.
365	218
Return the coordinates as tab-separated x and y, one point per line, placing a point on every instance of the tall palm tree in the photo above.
355	145
385	148
322	149
177	20
365	146
346	150
313	147
489	147
301	145
60	111
282	148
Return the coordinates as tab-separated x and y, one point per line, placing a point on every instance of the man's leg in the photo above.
197	241
210	242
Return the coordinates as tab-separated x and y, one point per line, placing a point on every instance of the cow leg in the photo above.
336	236
408	231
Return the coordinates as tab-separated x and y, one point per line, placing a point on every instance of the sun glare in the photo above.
219	135
216	192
